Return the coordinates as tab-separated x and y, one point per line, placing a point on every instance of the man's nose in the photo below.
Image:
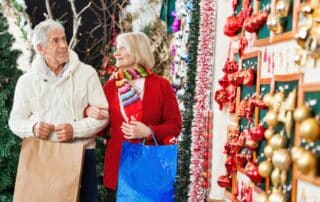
63	44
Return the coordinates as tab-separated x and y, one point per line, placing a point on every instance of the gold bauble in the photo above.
313	44
282	8
281	159
307	163
309	129
283	177
265	168
302	112
300	57
306	8
275	177
296	153
288	123
278	141
268	99
268	150
316	14
282	113
302	35
290	103
271	118
268	133
279	97
274	24
277	196
262	197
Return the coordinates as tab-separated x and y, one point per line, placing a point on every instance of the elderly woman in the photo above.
140	102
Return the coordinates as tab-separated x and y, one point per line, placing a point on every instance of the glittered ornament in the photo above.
302	112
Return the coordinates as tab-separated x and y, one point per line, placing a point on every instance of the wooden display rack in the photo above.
287	34
271	84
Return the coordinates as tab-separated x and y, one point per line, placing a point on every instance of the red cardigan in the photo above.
160	112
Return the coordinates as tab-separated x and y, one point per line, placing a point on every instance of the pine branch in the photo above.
183	172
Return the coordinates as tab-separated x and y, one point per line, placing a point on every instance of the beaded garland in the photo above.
129	97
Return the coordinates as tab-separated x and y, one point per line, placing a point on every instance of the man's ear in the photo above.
40	49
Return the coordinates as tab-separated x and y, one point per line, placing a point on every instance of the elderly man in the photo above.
50	99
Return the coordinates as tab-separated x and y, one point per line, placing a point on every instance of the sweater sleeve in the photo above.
19	120
172	123
87	126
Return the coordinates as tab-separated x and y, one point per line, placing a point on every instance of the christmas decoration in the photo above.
180	49
157	32
199	144
184	153
10	144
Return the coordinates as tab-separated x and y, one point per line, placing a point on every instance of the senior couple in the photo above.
61	100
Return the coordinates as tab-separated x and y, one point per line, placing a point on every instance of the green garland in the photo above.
9	143
183	172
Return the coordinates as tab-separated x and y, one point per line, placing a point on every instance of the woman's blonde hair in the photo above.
139	47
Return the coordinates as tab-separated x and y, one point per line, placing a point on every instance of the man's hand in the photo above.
99	113
42	130
64	132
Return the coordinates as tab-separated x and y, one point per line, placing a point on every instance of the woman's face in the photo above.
123	58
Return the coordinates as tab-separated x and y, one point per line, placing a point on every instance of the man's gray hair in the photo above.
41	30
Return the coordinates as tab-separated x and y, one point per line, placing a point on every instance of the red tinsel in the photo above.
199	146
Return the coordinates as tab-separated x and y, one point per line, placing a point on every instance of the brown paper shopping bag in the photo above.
48	171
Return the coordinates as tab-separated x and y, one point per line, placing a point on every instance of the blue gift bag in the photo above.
147	173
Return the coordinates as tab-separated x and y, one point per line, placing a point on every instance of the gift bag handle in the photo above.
153	137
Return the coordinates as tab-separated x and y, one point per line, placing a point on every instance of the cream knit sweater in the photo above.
41	98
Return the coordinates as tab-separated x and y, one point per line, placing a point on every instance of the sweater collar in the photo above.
39	66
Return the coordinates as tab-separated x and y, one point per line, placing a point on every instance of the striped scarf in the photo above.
129	98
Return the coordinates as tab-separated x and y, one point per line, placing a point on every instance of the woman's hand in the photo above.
99	113
135	130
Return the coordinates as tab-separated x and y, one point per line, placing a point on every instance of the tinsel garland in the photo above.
199	146
183	172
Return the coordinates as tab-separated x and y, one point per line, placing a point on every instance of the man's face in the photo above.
55	52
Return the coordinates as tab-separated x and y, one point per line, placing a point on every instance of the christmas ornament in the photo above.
268	151
252	172
268	99
296	153
278	141
271	118
257	133
269	133
275	177
309	129
262	197
224	181
277	196
282	8
265	168
281	159
301	113
307	163
274	23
